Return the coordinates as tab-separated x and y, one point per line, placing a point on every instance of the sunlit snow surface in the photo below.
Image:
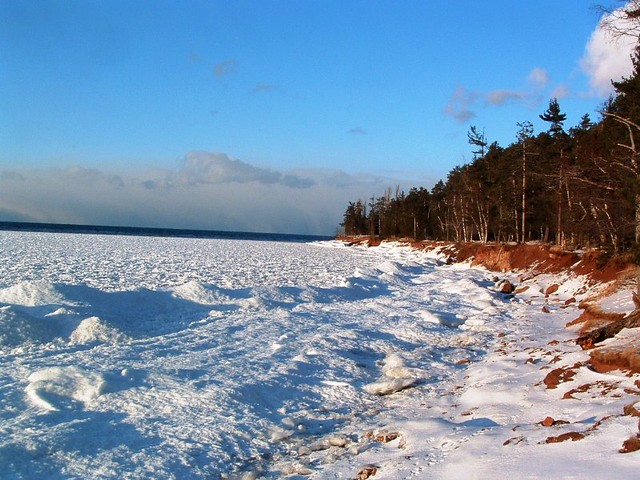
142	357
137	356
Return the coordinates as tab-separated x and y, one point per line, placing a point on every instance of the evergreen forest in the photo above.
576	186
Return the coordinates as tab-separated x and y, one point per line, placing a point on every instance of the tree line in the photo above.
575	187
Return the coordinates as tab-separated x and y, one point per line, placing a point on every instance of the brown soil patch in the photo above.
604	389
507	257
573	436
361	240
560	375
513	441
608	359
601	271
535	258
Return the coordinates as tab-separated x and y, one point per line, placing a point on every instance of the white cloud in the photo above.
209	191
216	168
462	104
607	58
501	97
459	106
538	77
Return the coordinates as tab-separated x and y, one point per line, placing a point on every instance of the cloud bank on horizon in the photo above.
208	190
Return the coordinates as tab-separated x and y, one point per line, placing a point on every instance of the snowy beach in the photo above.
149	357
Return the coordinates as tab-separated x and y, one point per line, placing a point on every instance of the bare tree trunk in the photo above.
559	219
524	190
560	234
637	230
634	164
515	208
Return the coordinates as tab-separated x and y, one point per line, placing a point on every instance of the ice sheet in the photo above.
141	357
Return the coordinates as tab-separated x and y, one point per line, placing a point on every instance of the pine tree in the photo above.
555	117
478	139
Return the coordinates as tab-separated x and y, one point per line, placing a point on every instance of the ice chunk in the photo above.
394	367
56	388
395	377
389	386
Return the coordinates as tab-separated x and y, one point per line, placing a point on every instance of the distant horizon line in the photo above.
154	231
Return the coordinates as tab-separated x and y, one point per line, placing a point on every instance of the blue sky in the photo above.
381	92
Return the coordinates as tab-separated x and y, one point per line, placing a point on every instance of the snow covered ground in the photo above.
141	357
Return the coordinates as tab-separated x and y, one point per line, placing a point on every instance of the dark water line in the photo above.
157	232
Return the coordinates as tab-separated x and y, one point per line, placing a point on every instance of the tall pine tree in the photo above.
555	117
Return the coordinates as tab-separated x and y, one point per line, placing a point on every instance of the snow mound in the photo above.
446	319
19	328
93	329
390	268
58	388
32	293
198	292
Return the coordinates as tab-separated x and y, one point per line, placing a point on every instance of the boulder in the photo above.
366	472
551	289
507	287
548	422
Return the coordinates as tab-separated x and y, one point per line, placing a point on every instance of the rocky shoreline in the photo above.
604	371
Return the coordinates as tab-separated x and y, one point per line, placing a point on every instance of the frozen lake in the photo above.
147	357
